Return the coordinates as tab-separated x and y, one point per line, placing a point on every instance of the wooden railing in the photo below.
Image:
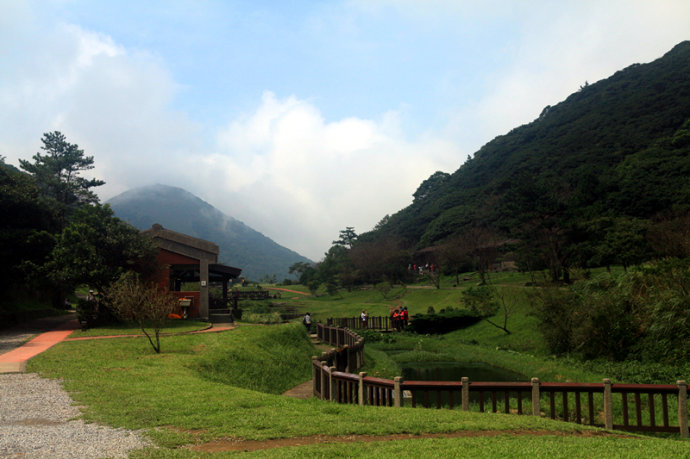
383	323
582	403
348	352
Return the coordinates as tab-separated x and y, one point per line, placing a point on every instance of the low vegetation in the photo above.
214	387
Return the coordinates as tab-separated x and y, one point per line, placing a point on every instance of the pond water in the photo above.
454	371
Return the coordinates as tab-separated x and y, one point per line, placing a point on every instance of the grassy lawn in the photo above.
219	386
171	326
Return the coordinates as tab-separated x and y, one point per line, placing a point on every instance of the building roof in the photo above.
184	244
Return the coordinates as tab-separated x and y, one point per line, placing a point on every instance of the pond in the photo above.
454	371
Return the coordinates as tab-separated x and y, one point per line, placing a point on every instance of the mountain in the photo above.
618	148
179	210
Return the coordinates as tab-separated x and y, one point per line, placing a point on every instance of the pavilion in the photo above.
183	258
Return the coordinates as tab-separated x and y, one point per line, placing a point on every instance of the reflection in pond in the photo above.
454	371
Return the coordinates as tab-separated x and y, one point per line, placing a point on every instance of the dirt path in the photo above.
255	445
302	391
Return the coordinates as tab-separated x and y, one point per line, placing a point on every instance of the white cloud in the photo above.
560	46
300	179
113	103
284	167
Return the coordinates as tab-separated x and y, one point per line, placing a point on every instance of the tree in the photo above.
479	245
24	234
454	258
96	248
142	303
380	260
487	302
430	185
57	174
347	237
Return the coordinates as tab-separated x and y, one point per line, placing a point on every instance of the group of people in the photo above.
421	269
399	318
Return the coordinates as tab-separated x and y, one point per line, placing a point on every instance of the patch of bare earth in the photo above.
254	445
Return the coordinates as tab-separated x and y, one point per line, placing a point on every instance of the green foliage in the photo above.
480	300
57	173
95	248
580	185
642	314
442	322
262	317
25	235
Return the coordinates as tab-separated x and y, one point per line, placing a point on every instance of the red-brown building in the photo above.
184	258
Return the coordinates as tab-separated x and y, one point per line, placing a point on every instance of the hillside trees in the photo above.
58	174
96	248
56	235
579	186
24	231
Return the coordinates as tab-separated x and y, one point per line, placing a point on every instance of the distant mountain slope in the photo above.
181	211
617	148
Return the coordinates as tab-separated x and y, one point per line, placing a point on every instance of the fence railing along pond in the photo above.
637	407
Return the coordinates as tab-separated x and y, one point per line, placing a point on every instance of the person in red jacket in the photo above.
404	316
396	319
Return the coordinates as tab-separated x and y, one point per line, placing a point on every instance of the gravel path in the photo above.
37	416
37	421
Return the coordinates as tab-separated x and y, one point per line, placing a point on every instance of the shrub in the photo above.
643	314
443	323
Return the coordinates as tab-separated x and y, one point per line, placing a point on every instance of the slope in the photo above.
181	211
614	148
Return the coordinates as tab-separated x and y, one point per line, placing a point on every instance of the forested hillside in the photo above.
599	178
180	210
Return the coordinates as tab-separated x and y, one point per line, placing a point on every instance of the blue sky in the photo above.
301	118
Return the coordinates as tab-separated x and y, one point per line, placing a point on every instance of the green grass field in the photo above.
218	386
224	388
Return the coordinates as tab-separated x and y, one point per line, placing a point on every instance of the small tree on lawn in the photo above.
487	301
143	303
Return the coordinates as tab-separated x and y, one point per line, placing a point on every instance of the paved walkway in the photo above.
17	350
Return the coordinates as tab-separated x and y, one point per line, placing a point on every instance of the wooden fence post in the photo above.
332	384
398	395
536	398
683	408
608	404
465	393
324	380
314	375
346	350
361	393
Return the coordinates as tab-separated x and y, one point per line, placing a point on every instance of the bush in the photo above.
643	314
443	323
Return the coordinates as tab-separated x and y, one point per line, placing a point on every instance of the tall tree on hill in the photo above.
347	237
57	174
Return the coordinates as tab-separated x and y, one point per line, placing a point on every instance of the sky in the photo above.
301	118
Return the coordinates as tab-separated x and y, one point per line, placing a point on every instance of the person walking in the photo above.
364	316
307	322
